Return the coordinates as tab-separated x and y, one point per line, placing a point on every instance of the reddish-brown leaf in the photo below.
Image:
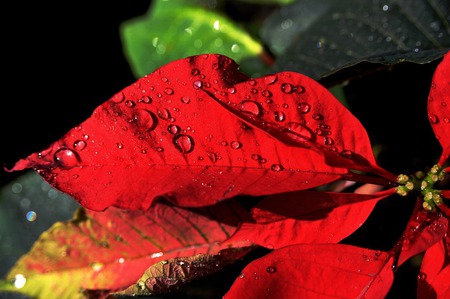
164	136
423	230
169	275
112	249
300	112
316	271
307	217
439	106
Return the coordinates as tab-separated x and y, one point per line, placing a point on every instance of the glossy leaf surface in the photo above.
439	106
316	271
110	250
307	217
163	136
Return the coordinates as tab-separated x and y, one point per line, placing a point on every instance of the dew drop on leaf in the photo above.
79	145
168	91
250	107
433	118
185	99
119	145
270	79
197	84
163	113
304	107
287	88
276	167
236	145
232	90
299	132
173	129
346	154
265	93
130	104
195	72
146	99
279	116
212	157
66	158
118	97
184	143
271	269
145	119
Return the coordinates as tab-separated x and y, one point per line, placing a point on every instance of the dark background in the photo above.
59	62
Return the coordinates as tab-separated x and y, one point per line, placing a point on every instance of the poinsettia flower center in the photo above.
424	185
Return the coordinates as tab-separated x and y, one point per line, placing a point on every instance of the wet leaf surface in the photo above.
439	106
163	136
316	271
307	217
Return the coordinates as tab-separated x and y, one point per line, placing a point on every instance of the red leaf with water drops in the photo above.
300	112
423	230
433	278
439	106
317	271
163	136
307	217
111	249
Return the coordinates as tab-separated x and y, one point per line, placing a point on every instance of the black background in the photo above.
59	62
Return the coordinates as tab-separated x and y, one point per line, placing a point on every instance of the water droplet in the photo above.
159	149
168	91
184	143
163	113
277	167
304	107
346	154
317	116
433	118
443	104
212	157
130	104
265	93
66	158
250	107
197	84
146	99
270	79
287	88
271	269
232	90
31	216
118	97
235	144
241	275
256	157
119	145
299	132
195	72
279	116
145	119
422	276
173	129
79	145
185	99
328	141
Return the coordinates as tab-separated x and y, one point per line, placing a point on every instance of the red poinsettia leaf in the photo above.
422	231
164	136
110	250
439	106
300	112
307	217
316	271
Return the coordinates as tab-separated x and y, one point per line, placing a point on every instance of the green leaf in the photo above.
321	38
172	30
